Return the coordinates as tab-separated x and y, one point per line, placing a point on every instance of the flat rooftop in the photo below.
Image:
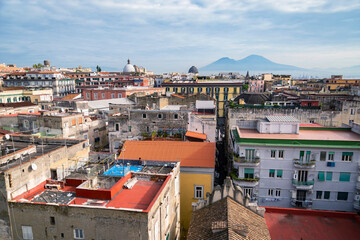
337	135
284	223
118	195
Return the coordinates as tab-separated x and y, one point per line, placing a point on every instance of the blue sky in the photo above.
172	35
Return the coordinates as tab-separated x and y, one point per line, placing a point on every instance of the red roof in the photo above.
189	154
195	135
310	125
287	223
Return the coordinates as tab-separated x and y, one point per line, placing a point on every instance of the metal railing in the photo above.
304	183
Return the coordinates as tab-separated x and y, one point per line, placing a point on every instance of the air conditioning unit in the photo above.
357	198
295	175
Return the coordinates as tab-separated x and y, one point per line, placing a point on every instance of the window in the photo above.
301	157
322	156
271	192
52	220
281	153
352	111
249	173
167	89
272	173
113	95
273	153
279	173
27	232
277	192
248	191
234	89
73	122
103	95
95	95
183	90
326	195
318	194
26	124
191	90
160	116
331	156
321	176
78	234
199	89
117	127
328	176
66	124
308	156
144	115
342	196
175	89
119	95
225	97
249	154
176	116
199	192
344	177
347	156
217	90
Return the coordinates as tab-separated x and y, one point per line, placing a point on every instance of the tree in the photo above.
98	69
245	87
39	65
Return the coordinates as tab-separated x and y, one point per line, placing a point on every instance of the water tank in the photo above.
46	63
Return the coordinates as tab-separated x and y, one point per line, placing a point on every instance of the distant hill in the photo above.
251	63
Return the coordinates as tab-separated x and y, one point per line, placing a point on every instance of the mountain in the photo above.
251	63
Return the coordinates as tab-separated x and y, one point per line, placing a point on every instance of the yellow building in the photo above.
285	79
221	90
197	165
19	94
334	83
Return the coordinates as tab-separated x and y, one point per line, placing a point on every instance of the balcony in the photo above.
303	185
304	164
243	182
242	162
301	203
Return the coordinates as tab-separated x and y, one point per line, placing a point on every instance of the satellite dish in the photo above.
7	136
34	166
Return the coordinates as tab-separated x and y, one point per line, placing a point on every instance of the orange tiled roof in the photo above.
70	96
43	72
190	154
195	135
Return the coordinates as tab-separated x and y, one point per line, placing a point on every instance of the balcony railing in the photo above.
303	183
304	164
301	203
242	161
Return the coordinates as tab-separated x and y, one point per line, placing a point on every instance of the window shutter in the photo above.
321	176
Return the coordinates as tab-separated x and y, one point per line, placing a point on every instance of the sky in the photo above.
173	35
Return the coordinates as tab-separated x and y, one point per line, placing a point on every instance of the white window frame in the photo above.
277	192
272	153
281	154
79	234
248	191
27	232
270	192
199	189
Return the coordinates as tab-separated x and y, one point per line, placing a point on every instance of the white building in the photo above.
280	164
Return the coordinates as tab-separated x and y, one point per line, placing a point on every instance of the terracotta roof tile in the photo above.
195	135
190	154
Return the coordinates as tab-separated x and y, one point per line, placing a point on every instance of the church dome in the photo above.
129	68
193	69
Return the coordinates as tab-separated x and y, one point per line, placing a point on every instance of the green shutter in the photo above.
328	176
331	153
344	177
272	171
308	152
321	176
347	153
279	173
301	153
249	170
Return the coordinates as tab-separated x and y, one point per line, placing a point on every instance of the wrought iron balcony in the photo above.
303	185
304	164
243	162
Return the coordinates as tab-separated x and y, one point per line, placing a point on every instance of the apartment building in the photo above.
280	164
25	162
56	81
221	90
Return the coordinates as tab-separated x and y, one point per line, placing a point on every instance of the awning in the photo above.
195	135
